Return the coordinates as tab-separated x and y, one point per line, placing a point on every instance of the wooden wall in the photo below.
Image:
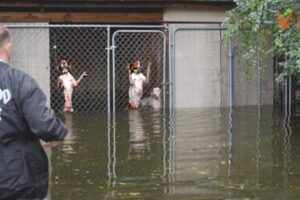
63	11
79	17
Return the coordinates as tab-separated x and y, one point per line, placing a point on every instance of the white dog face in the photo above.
153	101
156	92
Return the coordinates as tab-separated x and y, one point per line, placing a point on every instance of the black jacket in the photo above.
24	119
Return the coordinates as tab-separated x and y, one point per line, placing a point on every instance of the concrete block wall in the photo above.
256	88
194	15
201	64
30	53
197	66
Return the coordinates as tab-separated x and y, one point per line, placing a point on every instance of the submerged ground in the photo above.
240	153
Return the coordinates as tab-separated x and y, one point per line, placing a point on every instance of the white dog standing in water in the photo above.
154	100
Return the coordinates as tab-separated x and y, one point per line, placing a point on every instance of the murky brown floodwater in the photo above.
249	153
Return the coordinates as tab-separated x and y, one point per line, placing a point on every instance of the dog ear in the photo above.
129	68
69	65
57	67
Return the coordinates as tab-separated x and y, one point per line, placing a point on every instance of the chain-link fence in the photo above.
39	48
85	49
106	51
255	84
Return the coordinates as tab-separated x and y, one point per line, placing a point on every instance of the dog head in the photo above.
134	66
156	92
64	65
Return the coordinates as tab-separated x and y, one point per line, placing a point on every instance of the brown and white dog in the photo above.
154	100
67	83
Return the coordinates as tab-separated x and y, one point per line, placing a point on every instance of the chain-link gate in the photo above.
147	46
85	49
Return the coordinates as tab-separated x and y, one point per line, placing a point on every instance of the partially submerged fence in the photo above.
103	51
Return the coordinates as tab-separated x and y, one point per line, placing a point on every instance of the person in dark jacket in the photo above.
25	120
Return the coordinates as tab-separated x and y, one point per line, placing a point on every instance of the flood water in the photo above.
192	154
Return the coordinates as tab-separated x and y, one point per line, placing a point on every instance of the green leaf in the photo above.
134	194
281	77
287	12
278	42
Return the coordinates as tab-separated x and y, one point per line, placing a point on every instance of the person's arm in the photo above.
41	120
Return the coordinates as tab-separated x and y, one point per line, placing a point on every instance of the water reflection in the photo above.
68	142
286	147
65	146
111	150
296	109
243	153
230	149
258	152
138	142
169	175
48	151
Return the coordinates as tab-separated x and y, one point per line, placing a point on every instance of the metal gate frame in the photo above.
172	47
114	63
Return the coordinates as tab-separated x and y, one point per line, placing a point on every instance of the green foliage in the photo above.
266	29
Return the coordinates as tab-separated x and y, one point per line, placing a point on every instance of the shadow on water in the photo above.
211	153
